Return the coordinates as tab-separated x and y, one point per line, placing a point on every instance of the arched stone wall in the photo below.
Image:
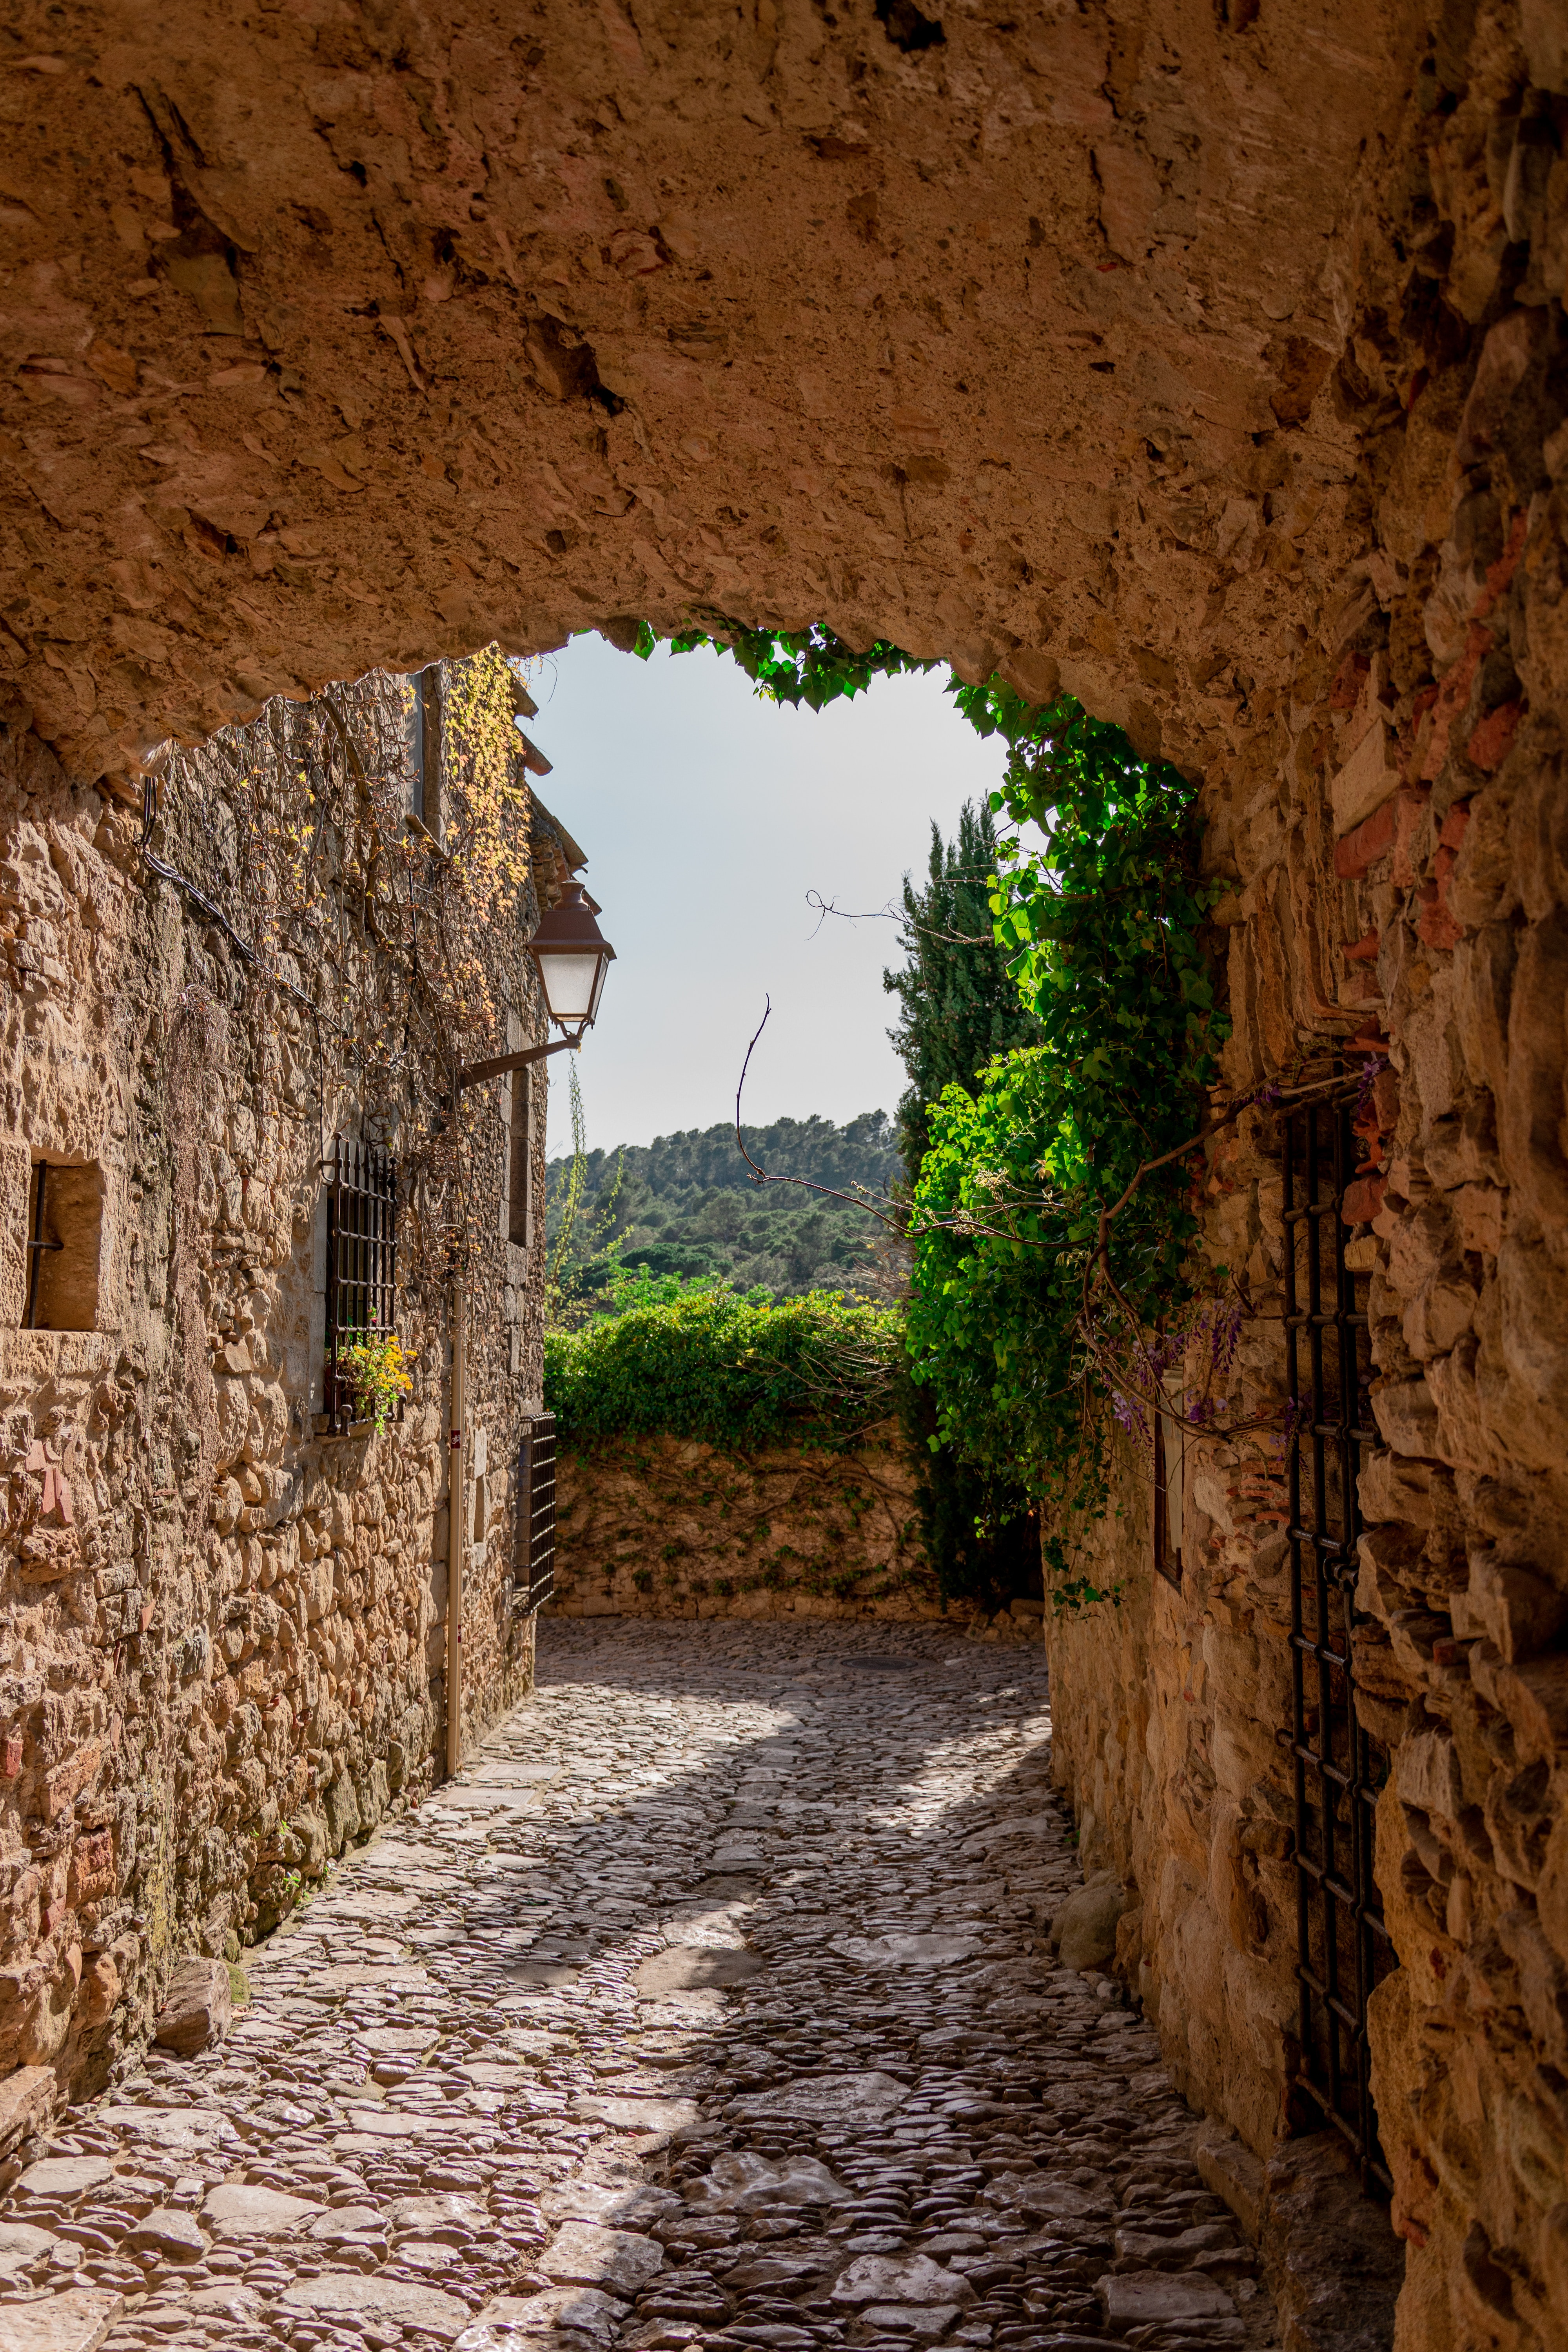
1206	360
337	336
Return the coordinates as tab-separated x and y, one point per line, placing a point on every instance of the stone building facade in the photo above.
1208	363
225	1582
1357	1800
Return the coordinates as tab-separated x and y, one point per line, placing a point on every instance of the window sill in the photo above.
330	1428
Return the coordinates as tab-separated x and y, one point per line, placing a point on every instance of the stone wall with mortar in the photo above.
668	1527
222	1636
1207	363
1399	891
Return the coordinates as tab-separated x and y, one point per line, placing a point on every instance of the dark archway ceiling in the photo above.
338	336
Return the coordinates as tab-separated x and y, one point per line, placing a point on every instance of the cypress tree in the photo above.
958	1007
958	1010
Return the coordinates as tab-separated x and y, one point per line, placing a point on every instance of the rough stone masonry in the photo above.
224	1649
1208	362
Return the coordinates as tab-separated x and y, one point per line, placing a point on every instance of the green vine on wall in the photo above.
370	945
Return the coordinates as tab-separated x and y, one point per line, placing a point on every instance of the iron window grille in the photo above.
1343	1949
362	1261
533	1556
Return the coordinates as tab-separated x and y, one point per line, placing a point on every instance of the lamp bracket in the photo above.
472	1074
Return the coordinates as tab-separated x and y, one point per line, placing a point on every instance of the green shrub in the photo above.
730	1371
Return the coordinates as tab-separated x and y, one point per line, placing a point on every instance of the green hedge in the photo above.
729	1370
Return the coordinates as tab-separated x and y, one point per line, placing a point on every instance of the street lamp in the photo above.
572	956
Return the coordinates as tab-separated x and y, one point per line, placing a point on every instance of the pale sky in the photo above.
707	815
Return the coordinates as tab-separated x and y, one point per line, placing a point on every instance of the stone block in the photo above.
374	1795
60	2177
1161	2299
1361	848
361	2300
586	2256
22	2243
1229	2169
1365	781
310	1828
848	2098
901	2279
175	2237
1407	1417
1333	2262
1084	1928
243	2209
1429	1775
641	2115
342	1808
745	2183
76	2321
316	1588
919	2321
198	2008
690	1967
579	2315
26	2099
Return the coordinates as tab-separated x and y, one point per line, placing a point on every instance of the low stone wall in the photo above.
668	1527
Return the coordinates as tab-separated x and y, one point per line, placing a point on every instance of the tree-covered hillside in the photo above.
688	1204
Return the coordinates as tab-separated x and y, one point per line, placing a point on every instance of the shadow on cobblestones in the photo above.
708	2004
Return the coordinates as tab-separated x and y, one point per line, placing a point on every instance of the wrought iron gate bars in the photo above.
534	1553
1336	1893
361	1256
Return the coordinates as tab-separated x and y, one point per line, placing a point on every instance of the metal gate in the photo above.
533	1559
1343	1947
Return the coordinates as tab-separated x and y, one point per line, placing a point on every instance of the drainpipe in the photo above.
455	1530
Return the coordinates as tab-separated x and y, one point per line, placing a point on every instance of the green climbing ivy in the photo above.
811	666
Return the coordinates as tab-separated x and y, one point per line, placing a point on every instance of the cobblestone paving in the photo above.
706	2006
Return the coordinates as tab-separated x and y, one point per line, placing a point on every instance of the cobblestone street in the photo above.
708	2005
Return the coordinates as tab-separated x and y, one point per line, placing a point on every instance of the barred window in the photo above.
533	1557
362	1259
1344	1948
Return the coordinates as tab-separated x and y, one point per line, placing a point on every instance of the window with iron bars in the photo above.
1344	1951
362	1261
533	1556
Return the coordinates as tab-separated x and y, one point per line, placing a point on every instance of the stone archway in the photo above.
1209	363
346	338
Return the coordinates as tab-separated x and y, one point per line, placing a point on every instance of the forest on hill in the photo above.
688	1204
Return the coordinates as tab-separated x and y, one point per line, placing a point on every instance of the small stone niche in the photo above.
65	1213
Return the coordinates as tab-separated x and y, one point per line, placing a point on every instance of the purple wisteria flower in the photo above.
1370	1069
1130	1413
